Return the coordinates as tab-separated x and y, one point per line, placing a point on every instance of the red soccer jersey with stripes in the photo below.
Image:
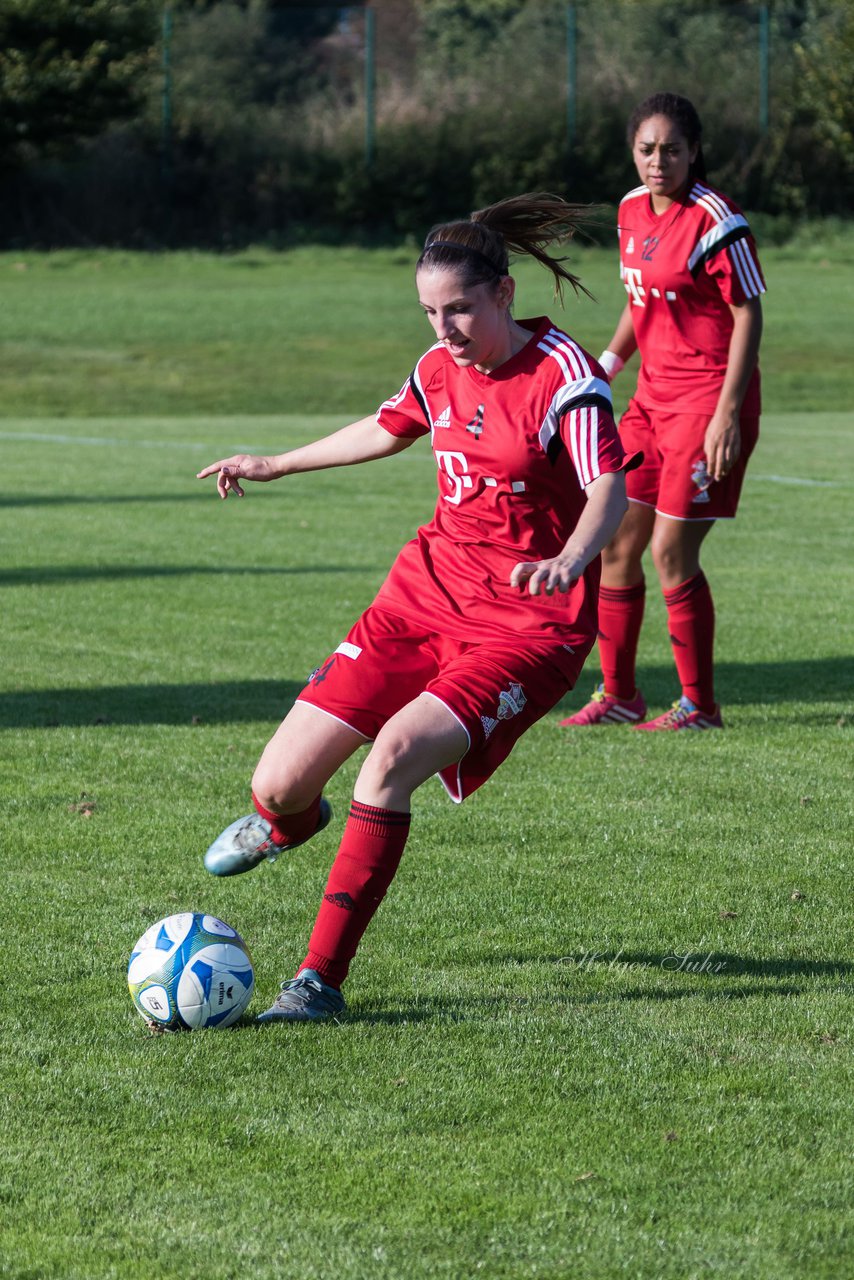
514	450
681	269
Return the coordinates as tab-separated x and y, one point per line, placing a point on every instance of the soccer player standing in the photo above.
487	614
690	269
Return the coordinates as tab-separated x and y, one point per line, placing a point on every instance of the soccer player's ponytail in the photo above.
479	249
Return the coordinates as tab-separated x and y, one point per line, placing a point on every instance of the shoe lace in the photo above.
677	713
598	694
305	989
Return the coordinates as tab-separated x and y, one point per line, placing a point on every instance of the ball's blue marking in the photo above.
216	1018
164	942
205	975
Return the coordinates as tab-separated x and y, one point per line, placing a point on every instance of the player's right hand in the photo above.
242	466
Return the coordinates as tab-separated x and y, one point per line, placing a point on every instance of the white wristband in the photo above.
611	363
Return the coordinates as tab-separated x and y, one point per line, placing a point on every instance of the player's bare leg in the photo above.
422	738
675	547
308	747
298	761
622	558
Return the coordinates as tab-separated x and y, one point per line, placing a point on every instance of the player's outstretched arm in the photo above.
606	506
361	441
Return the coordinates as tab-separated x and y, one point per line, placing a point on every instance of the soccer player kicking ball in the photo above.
689	266
486	616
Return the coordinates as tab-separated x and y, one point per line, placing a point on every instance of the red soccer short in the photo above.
672	477
495	690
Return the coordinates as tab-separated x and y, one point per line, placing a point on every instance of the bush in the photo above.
264	138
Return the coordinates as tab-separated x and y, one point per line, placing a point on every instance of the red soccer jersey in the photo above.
514	449
681	269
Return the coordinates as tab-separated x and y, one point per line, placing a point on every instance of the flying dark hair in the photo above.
680	112
479	248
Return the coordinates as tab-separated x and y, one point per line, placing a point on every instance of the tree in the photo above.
825	58
69	68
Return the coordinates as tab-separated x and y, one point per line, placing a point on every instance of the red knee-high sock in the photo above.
620	618
691	623
368	857
285	828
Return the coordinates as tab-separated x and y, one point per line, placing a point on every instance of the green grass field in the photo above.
601	1025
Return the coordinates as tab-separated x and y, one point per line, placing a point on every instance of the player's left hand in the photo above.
722	446
557	574
240	466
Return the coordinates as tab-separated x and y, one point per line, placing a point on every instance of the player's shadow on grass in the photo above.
238	701
759	684
228	702
104	499
442	1012
706	986
801	680
120	572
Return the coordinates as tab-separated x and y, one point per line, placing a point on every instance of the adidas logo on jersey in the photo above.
444	418
630	247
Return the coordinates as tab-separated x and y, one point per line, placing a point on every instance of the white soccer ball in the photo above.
189	971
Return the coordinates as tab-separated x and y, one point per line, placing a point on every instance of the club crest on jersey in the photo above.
476	424
444	418
510	702
701	478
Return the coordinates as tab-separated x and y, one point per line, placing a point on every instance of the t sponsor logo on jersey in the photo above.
456	469
476	424
444	418
633	280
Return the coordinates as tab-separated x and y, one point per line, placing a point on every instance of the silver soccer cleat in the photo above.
305	998
248	842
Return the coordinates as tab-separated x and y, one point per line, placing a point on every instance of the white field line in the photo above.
37	437
818	484
101	441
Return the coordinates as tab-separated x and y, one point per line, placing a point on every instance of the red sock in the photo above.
368	857
285	828
620	618
691	623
